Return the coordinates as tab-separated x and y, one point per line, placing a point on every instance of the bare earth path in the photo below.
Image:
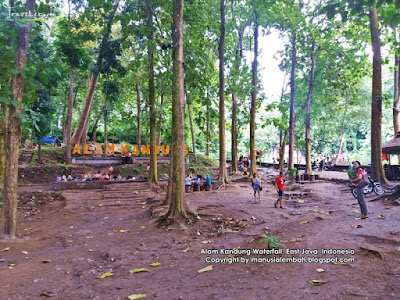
66	245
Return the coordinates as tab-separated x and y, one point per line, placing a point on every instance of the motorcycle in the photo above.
372	187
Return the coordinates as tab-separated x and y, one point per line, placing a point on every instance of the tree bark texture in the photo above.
253	107
160	120
94	129
292	99
10	201
396	98
208	133
239	55
106	115
3	142
152	176
138	135
234	134
192	131
68	129
308	110
177	208
282	151
376	109
223	176
80	126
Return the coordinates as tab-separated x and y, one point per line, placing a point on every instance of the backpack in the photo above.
364	181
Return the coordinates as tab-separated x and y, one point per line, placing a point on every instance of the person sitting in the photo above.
87	176
119	178
97	176
110	170
244	171
105	177
126	157
70	177
64	178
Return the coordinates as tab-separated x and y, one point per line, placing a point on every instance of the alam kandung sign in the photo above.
110	149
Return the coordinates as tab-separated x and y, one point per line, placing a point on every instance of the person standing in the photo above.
255	182
360	190
280	188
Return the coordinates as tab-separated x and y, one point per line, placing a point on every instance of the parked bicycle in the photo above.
373	187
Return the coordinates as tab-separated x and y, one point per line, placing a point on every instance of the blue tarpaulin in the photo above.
51	139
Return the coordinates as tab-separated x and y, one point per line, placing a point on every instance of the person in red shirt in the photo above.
360	190
280	188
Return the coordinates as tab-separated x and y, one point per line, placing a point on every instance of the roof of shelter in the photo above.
393	145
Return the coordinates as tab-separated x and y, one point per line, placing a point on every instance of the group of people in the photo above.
280	188
192	180
88	176
279	184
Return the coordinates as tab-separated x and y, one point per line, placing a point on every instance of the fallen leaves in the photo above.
303	222
206	269
107	274
5	249
46	261
318	282
381	217
319	270
121	230
155	264
47	294
294	240
138	270
136	296
11	266
24	252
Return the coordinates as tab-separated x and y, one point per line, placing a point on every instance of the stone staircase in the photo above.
127	195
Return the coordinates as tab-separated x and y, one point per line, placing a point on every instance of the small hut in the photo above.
392	146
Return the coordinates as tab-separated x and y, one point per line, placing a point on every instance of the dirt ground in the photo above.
69	239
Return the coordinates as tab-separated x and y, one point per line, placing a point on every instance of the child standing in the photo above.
255	182
280	188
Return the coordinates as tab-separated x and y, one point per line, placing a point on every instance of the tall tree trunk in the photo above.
223	176
152	99
160	120
253	166
138	136
282	147
292	98
208	133
10	201
177	208
68	129
85	132
80	126
376	110
192	131
308	110
3	142
234	134
106	115
94	129
239	55
341	134
396	98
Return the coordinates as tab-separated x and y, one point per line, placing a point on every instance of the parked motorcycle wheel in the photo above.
378	189
354	192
